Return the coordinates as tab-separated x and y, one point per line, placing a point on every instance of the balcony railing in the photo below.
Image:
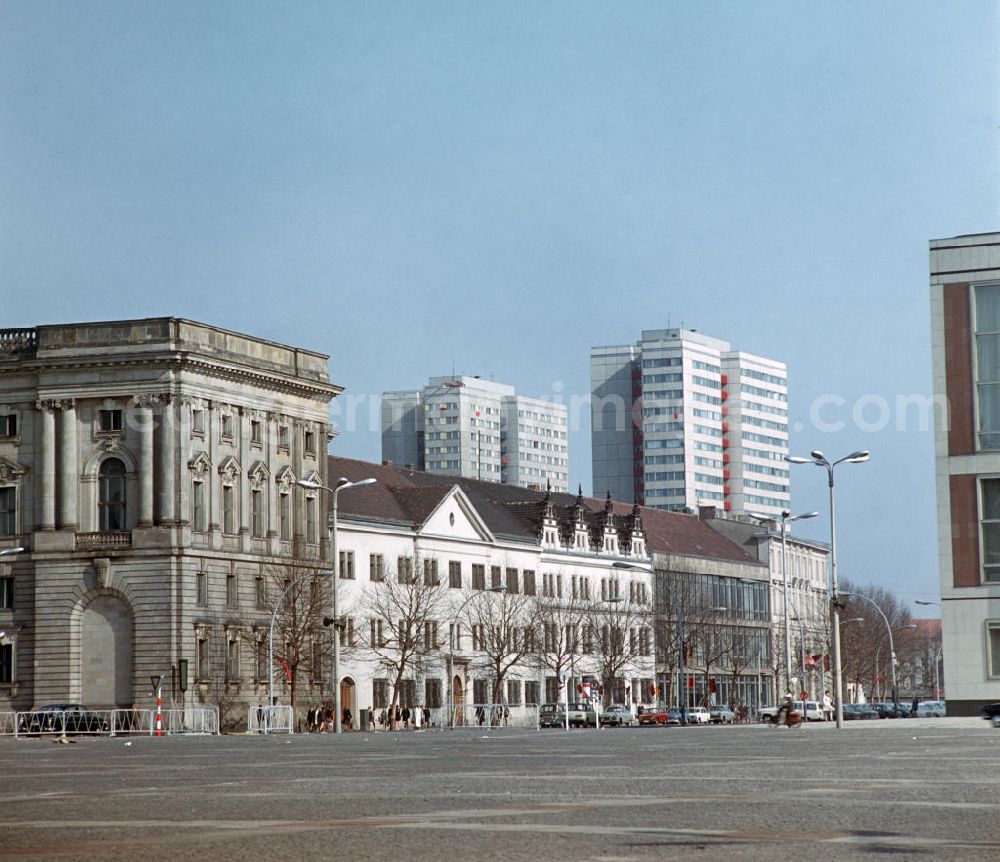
112	539
18	342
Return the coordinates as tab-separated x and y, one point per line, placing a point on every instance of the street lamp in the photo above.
6	552
820	460
342	484
270	635
787	518
496	588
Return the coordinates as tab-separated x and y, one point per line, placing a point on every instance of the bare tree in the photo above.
560	625
299	598
504	629
403	610
622	635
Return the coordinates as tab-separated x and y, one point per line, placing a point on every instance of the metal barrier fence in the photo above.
270	719
493	715
110	722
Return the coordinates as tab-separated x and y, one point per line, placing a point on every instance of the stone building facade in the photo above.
148	468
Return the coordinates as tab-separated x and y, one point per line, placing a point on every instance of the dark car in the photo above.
552	715
991	710
892	710
63	718
859	711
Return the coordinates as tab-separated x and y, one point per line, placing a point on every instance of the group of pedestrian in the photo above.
400	718
319	719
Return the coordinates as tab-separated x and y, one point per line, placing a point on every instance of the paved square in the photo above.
910	789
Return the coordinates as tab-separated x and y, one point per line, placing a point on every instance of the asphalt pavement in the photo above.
908	788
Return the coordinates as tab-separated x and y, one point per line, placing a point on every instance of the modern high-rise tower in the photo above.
467	426
681	420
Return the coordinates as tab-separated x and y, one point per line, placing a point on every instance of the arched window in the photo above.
111	499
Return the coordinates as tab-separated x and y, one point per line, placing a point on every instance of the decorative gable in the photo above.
229	469
11	471
258	474
285	478
200	464
456	517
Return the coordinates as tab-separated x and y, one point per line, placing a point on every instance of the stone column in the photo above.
69	475
47	474
167	463
144	425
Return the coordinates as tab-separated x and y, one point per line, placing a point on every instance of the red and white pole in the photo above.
159	711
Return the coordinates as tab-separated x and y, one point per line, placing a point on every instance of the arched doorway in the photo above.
106	653
347	701
457	699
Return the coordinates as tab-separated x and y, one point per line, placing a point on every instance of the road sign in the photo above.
155	680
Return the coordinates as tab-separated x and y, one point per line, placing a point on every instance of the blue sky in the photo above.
414	187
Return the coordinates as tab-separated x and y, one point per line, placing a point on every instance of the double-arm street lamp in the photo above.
342	485
820	460
453	639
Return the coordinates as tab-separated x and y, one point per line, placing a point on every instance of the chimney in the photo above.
706	513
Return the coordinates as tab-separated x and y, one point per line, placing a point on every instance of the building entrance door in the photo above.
106	653
347	701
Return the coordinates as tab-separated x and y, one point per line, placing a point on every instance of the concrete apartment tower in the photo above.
681	420
467	426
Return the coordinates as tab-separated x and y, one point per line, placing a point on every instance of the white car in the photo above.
813	710
698	715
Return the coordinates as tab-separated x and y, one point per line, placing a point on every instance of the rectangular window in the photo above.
380	693
257	513
455	574
993	646
377	634
480	691
8	511
256	437
110	421
8	425
317	660
204	669
346	565
431	578
260	593
283	438
227	426
311	533
231	590
404	570
201	580
552	688
407	692
990	528
6	592
376	567
478	576
285	517
512	581
514	692
310	443
6	664
198	422
432	693
495	574
531	691
233	658
346	631
228	509
198	507
431	635
529	582
987	371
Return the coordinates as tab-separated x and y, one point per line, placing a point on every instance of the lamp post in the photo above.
6	552
936	651
342	485
498	588
820	460
270	635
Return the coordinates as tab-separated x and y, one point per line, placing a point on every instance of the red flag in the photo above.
288	672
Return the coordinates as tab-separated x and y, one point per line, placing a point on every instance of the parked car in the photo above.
63	717
888	709
618	714
552	715
698	715
660	717
930	709
991	712
721	714
859	711
812	710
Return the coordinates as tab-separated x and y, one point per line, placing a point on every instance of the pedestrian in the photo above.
260	718
827	706
915	707
418	716
406	718
347	719
427	717
371	719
